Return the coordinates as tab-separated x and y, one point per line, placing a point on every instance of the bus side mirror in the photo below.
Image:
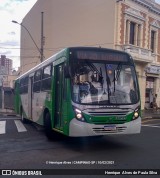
66	71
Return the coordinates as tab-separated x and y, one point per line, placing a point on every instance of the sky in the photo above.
10	32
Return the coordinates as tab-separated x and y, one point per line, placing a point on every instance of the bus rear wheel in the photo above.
48	126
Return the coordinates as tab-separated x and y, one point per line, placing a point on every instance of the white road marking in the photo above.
155	126
20	126
2	127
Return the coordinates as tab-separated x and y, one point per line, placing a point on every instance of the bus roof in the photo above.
63	53
56	56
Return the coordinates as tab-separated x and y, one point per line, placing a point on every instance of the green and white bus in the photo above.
82	91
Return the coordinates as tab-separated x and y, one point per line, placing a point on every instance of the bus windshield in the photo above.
103	82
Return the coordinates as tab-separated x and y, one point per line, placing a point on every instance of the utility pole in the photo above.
42	37
40	50
30	36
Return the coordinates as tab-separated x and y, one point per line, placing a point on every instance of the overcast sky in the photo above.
10	32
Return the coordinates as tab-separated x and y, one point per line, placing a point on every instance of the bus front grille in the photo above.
103	130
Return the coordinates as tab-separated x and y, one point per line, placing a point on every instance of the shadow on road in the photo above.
97	143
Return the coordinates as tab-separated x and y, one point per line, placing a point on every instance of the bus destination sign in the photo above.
104	56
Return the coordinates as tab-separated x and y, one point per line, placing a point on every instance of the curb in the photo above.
151	117
8	115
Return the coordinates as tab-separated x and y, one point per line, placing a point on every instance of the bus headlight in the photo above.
79	115
136	113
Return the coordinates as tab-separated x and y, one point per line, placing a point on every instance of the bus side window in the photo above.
24	85
21	86
37	81
46	78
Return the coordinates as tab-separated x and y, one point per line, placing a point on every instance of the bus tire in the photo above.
48	126
51	134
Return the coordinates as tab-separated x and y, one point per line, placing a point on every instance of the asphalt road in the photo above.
28	148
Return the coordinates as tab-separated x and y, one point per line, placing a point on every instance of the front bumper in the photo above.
81	129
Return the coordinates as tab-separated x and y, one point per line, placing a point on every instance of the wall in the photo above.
67	23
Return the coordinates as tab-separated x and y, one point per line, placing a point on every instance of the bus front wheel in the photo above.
51	134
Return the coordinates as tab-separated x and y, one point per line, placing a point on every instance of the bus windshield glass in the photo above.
103	82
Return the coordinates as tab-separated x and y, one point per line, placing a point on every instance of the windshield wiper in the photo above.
119	68
108	84
93	68
116	76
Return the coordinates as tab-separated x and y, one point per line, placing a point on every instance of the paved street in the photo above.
26	147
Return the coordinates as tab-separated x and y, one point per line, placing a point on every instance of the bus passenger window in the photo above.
37	81
24	85
46	79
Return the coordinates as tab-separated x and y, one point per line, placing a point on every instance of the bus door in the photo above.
59	97
30	96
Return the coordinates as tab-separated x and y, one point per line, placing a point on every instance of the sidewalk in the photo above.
150	114
7	113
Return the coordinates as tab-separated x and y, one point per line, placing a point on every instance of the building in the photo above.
7	78
139	26
6	74
5	65
129	25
